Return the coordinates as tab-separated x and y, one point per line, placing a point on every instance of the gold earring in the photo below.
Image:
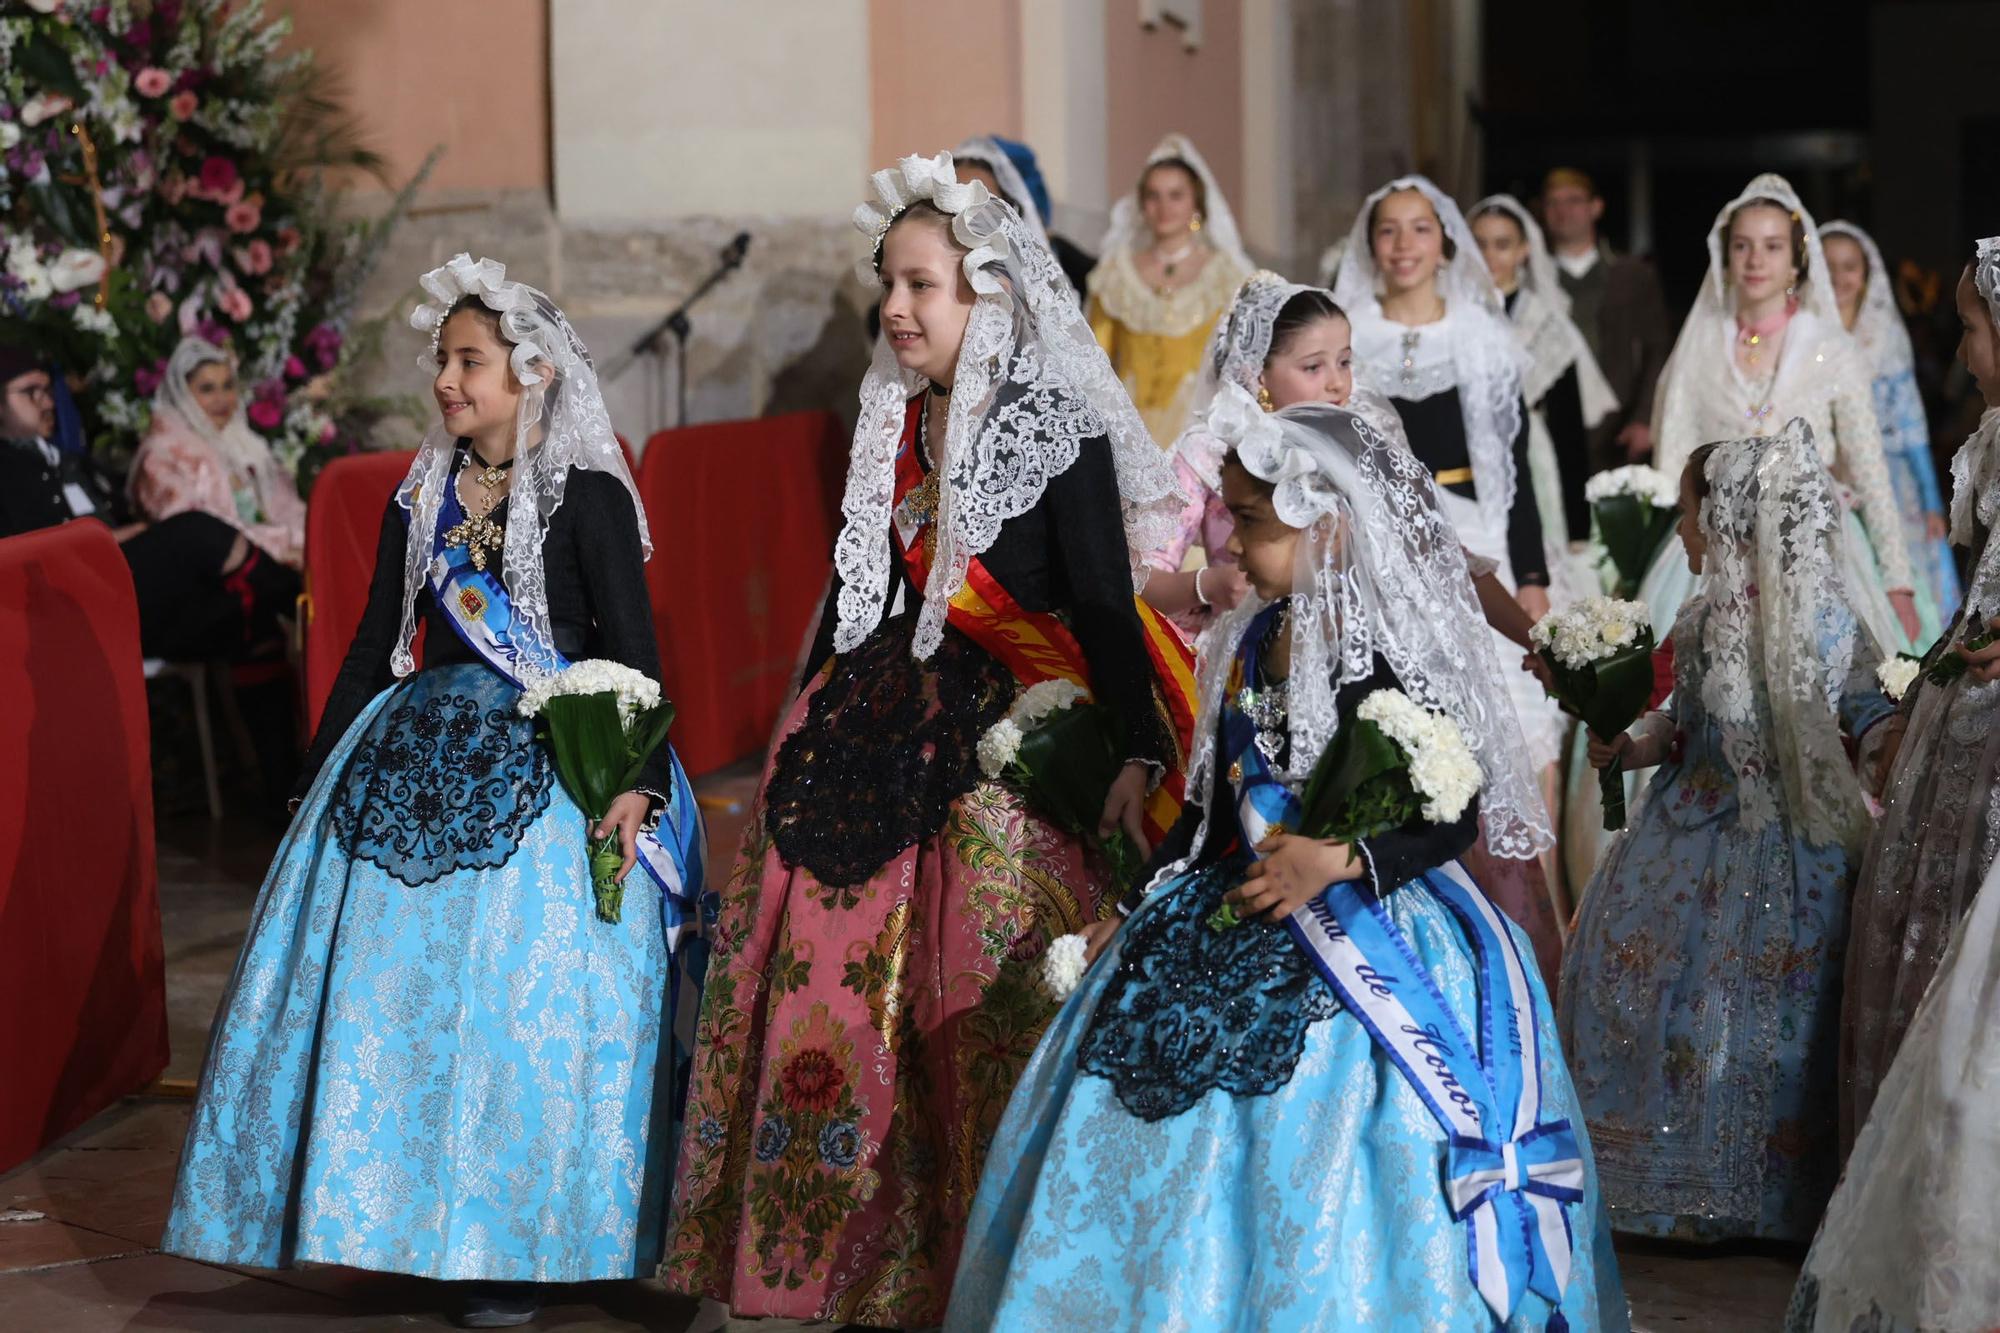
1264	399
1195	225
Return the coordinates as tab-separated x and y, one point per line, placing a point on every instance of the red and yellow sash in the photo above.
1036	646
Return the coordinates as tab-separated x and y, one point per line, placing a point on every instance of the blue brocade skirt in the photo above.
433	1058
1287	1178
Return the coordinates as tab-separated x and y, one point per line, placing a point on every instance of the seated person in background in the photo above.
40	484
200	593
200	454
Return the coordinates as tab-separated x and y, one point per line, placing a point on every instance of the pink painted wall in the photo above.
939	72
1161	86
472	75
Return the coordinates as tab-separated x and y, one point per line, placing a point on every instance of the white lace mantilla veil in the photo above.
1541	312
562	424
242	450
1704	352
1975	468
1032	388
982	151
1128	233
1486	356
1878	326
1386	575
1772	589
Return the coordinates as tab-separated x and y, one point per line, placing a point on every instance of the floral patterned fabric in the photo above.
1701	988
1205	522
1906	446
856	1049
455	1081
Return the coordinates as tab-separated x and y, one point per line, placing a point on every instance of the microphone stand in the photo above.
679	326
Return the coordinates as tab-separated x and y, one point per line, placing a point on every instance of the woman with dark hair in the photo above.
1171	261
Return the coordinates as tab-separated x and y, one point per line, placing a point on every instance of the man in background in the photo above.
1616	300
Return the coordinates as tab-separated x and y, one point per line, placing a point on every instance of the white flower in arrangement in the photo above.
1638	479
1063	967
75	268
1897	675
10	134
92	320
1442	767
636	691
1593	629
999	746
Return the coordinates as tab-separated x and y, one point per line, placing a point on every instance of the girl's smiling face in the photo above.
1846	267
476	392
1761	262
926	300
1407	239
1265	546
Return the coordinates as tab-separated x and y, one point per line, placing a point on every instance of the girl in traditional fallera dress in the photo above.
1700	990
1279	344
1865	291
1168	267
874	992
434	1057
1224	1128
1764	344
1431	333
1567	394
1940	825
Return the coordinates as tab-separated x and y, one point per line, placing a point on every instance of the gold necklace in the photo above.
477	532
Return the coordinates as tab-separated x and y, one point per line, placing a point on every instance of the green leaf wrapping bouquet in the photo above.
1633	509
1059	751
601	720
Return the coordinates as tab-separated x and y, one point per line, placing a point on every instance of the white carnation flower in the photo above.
1039	701
636	692
1442	767
998	747
1063	966
1645	482
92	320
1897	675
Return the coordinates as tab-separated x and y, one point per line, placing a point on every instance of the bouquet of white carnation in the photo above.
1395	761
1897	674
602	721
1633	509
1600	653
1057	749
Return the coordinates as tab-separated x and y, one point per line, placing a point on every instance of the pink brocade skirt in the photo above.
856	1049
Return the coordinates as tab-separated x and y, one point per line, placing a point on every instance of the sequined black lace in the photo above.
448	778
888	743
1192	1008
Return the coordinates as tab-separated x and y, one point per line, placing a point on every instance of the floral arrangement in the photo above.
1056	749
161	175
1897	674
1632	510
1600	656
1947	665
1395	761
1593	629
601	720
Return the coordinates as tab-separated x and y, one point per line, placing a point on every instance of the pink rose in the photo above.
235	303
327	432
153	81
254	258
289	239
173	188
183	104
266	415
295	369
244	215
158	306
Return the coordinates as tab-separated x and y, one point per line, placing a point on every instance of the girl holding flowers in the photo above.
1265	1105
435	1056
1701	985
874	992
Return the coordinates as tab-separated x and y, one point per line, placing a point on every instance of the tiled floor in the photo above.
80	1225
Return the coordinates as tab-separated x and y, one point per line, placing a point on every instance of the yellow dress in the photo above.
1155	340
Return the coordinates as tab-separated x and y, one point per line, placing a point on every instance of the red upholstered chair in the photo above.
742	515
343	525
82	982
